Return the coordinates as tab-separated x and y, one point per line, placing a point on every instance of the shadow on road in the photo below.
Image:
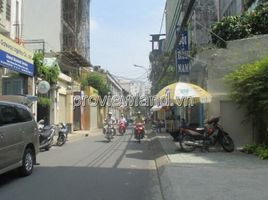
70	183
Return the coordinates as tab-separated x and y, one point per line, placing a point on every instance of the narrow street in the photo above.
89	168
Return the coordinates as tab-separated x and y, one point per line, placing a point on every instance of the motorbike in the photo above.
139	131
109	132
122	128
203	138
62	134
46	135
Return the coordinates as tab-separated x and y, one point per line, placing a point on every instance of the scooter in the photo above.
63	134
122	128
109	131
205	137
139	131
46	135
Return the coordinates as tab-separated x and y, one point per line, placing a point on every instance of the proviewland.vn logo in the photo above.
130	101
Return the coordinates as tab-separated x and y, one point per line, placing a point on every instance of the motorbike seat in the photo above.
46	133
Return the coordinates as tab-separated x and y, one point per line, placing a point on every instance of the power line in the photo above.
162	21
128	78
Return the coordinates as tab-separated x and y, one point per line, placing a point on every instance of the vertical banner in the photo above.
182	60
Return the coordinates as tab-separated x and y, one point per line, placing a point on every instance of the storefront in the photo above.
17	69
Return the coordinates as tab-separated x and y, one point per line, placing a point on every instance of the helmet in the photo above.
139	112
110	113
122	115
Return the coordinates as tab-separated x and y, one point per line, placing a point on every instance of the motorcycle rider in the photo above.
138	119
122	119
107	120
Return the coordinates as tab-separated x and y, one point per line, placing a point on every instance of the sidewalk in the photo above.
75	135
210	175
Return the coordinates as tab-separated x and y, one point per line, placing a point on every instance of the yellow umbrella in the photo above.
179	92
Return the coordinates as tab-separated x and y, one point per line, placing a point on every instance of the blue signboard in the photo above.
15	57
16	64
182	59
183	44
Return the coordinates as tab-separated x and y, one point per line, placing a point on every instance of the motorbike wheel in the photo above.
227	143
109	137
139	138
50	144
184	146
61	140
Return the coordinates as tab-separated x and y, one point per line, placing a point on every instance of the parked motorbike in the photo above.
139	131
46	135
63	134
212	134
109	132
122	128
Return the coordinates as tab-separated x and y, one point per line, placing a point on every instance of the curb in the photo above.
162	161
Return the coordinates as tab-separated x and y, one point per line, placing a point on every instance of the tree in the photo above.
49	74
249	88
97	81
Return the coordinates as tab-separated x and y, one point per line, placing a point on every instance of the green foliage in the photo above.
249	88
249	148
43	101
262	152
243	26
97	81
50	74
259	150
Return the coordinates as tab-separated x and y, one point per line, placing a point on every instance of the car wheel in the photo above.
27	163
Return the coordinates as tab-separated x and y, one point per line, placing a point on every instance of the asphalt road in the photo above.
91	169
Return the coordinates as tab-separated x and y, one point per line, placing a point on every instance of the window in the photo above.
8	10
1	6
14	86
8	115
24	114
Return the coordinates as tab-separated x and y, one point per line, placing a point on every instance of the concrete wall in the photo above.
210	69
42	20
57	94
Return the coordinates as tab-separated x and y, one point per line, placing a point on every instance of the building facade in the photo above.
16	71
61	31
229	8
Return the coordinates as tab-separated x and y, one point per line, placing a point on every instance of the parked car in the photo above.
19	142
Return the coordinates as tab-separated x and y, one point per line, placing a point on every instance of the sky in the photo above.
120	34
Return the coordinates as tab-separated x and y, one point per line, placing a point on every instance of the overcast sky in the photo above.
120	34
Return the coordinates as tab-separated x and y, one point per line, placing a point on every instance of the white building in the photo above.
59	28
13	53
116	91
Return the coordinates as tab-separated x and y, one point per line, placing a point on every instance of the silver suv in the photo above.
19	142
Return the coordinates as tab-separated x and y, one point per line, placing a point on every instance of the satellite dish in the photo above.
43	87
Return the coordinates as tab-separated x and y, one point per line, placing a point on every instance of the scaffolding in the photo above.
76	32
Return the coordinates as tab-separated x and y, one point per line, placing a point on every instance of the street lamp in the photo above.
146	69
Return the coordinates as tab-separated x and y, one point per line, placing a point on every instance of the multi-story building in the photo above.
16	62
208	65
135	88
116	92
61	31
